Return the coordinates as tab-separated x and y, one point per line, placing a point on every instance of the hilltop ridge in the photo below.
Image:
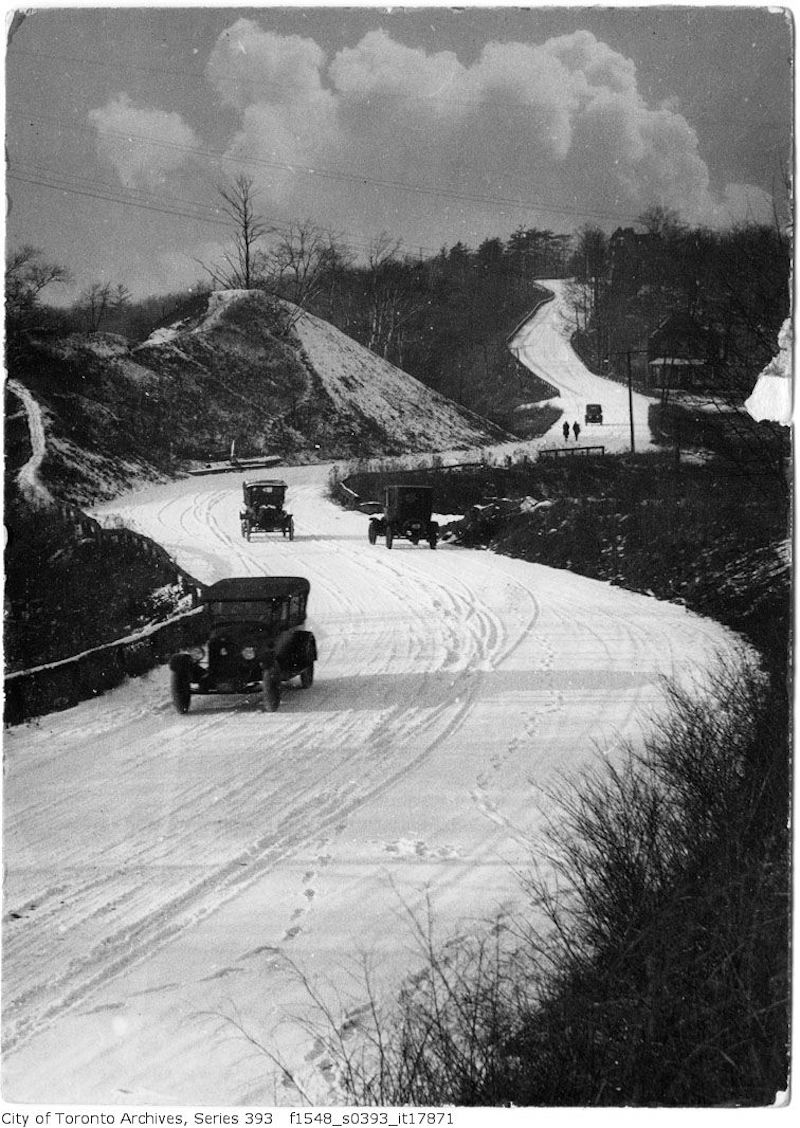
241	366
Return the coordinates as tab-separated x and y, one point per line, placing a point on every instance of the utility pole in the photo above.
630	403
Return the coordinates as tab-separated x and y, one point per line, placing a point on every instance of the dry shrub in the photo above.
661	975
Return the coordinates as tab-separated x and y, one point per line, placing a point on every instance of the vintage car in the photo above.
406	513
594	413
254	641
263	510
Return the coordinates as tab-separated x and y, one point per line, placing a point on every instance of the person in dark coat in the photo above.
576	427
565	429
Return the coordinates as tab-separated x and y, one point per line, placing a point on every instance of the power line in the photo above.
348	177
112	199
60	183
132	195
54	179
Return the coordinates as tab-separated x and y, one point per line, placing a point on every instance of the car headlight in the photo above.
248	653
197	653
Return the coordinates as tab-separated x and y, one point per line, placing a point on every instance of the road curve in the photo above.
166	874
543	345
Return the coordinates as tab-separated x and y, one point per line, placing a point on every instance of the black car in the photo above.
254	641
263	508
406	513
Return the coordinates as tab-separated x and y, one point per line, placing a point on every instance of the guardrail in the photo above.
348	497
240	464
351	500
570	452
542	301
62	684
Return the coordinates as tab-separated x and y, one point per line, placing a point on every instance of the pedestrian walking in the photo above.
565	429
576	427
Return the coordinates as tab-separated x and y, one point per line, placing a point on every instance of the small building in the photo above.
682	354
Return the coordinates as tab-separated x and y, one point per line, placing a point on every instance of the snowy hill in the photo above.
245	367
412	416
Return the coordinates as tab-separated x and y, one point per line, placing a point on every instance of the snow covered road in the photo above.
162	871
542	344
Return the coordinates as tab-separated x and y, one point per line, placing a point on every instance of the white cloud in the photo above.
143	145
741	203
560	126
379	65
251	66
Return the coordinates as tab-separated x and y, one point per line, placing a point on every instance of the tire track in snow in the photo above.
426	656
26	1013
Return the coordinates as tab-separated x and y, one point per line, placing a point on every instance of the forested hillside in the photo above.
443	319
446	319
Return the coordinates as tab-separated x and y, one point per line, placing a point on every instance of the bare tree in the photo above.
302	258
661	221
396	294
244	267
27	274
94	302
383	254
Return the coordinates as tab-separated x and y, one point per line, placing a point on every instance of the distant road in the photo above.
543	345
28	475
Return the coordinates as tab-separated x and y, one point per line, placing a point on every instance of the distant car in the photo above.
255	641
594	413
263	510
406	513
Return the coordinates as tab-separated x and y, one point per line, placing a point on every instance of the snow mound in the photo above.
771	399
162	336
407	410
221	300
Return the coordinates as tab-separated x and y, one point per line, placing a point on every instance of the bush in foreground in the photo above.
660	975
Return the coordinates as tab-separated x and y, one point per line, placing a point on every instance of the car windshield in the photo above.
247	610
266	496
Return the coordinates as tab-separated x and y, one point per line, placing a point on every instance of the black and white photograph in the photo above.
398	563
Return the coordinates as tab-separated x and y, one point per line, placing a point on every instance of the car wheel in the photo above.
291	528
181	690
372	533
433	535
248	531
389	536
271	690
244	528
415	538
307	676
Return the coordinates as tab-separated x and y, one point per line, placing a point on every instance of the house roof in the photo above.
680	336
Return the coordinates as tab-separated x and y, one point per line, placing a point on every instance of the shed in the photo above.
682	353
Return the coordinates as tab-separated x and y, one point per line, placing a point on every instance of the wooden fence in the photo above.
571	452
60	685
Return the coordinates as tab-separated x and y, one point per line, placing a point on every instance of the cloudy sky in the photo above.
432	124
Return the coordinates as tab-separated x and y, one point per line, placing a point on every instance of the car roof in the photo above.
254	588
264	482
